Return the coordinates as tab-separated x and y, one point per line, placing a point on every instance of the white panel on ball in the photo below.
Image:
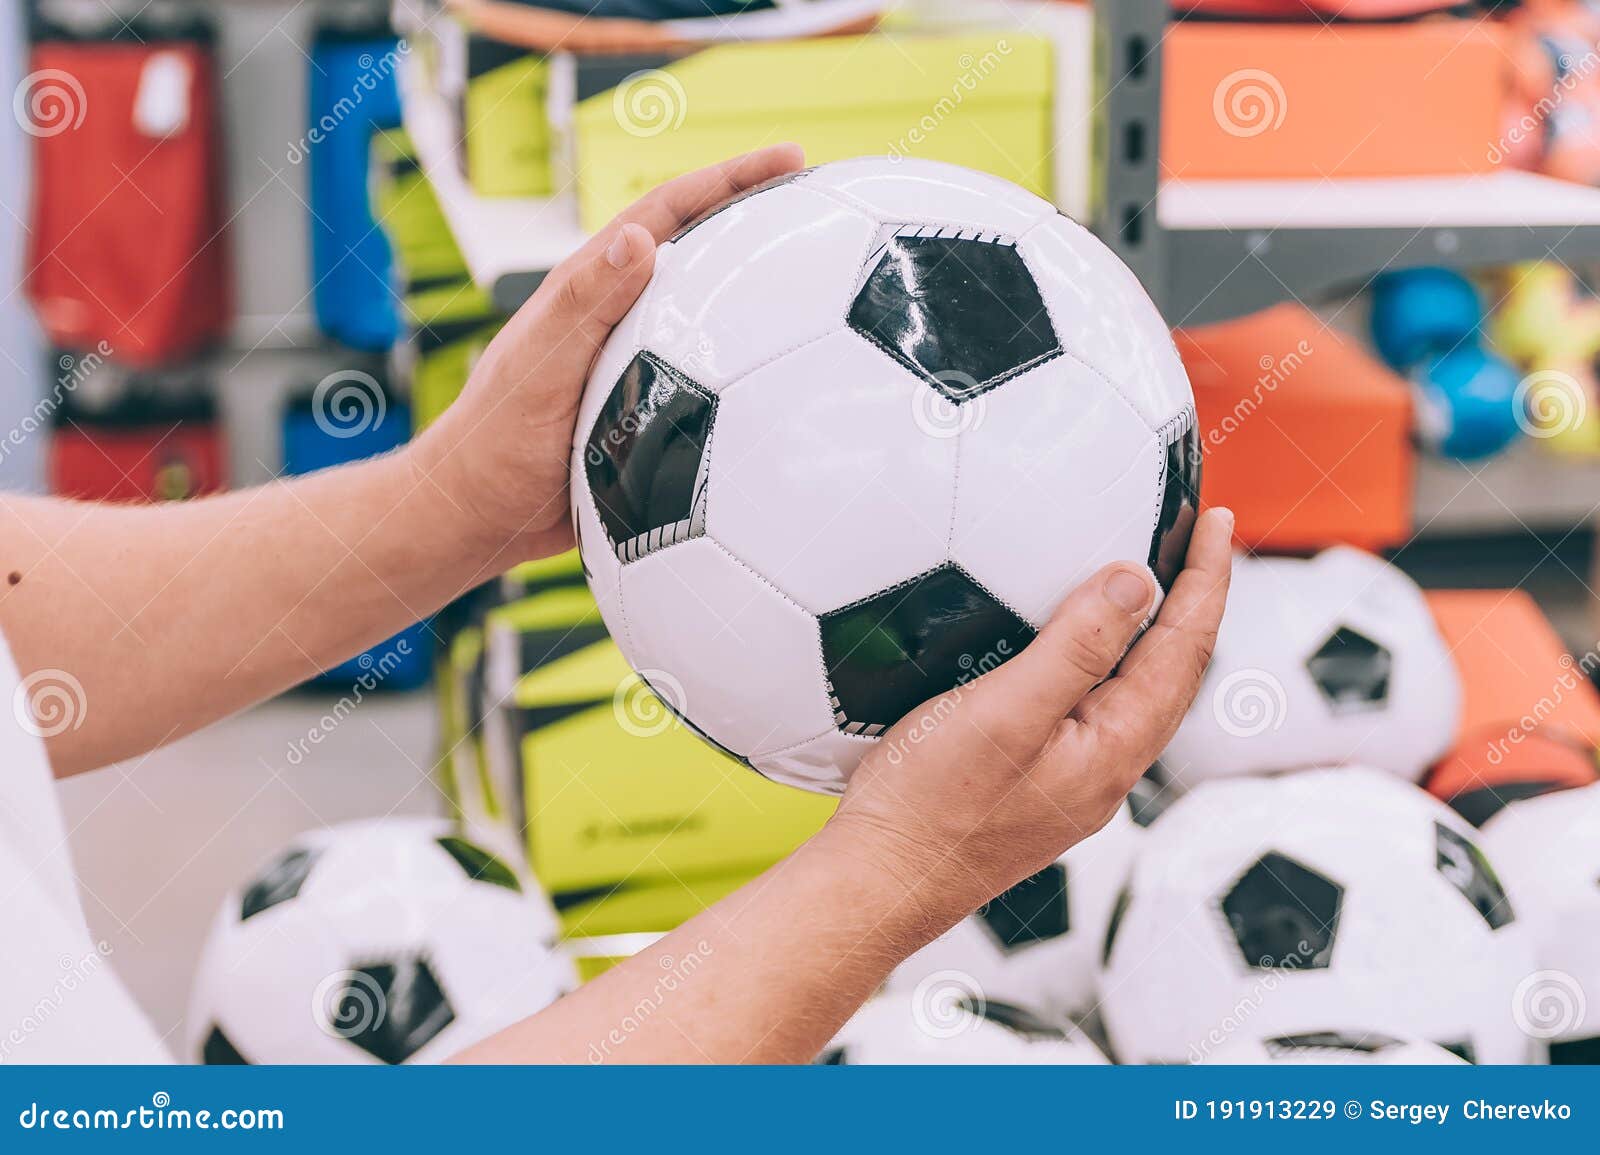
1105	319
728	645
821	764
826	476
1058	477
761	277
928	192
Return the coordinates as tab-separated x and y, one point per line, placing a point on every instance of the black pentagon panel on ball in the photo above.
1015	1019
1464	1049
1365	1044
1575	1052
1351	671
1180	498
960	309
645	458
1465	868
1480	805
218	1051
391	1009
1283	915
480	865
277	883
887	654
1034	910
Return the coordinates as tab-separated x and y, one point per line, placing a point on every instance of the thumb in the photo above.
583	300
1077	650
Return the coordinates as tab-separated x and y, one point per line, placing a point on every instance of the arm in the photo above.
171	617
1007	773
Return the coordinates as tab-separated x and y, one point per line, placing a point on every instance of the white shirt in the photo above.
60	1000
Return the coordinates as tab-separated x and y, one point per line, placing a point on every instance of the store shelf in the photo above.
1525	489
1236	246
509	243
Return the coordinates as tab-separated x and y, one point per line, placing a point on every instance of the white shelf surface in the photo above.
498	236
1497	200
1524	489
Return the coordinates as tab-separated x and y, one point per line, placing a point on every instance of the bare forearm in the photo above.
173	616
768	975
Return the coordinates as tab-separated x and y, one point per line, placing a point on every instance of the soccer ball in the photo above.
1340	900
1038	944
385	941
937	1025
864	430
1319	663
1332	1048
1548	850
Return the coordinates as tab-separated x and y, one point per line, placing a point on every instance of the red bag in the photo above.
127	243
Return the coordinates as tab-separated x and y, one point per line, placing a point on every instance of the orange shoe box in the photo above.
1277	101
1306	437
1530	717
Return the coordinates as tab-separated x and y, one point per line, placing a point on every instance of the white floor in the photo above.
160	840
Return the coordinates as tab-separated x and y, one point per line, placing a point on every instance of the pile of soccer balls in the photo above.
1300	899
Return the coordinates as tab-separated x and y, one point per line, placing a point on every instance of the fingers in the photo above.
574	312
676	203
1078	648
1130	719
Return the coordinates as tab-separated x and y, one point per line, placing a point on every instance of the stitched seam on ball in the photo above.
1068	353
840	197
770	361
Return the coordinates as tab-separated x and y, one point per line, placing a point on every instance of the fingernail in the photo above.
1128	591
617	252
1225	516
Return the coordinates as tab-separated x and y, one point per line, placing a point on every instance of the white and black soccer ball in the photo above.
1038	944
863	431
1548	852
1321	662
1332	1048
386	941
1338	900
937	1025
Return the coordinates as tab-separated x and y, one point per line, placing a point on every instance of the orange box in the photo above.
1275	101
1306	437
1514	667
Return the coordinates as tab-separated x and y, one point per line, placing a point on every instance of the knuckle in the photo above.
1090	652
